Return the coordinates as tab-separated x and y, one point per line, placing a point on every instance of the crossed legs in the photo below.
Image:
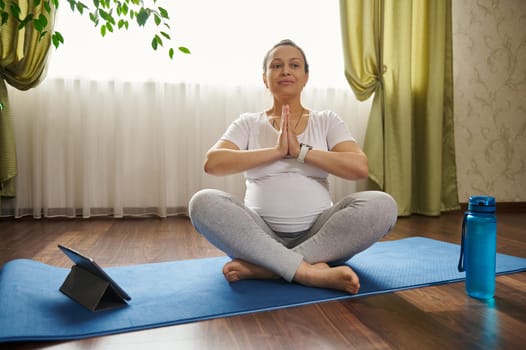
347	228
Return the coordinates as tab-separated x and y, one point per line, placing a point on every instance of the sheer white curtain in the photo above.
102	141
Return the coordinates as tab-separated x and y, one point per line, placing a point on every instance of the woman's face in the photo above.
285	75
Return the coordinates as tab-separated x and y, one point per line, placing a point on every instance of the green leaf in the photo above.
43	20
184	50
47	6
25	21
94	18
103	30
81	7
166	35
171	53
39	23
164	13
142	16
57	39
106	16
157	19
15	10
36	3
5	17
55	42
156	41
110	27
72	4
42	34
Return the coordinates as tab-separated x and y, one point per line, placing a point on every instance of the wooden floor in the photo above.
440	317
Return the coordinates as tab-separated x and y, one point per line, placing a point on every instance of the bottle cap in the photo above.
482	204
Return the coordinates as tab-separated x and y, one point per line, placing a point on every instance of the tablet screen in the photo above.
90	265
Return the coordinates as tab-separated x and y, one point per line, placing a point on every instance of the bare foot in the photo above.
316	275
341	277
238	269
321	265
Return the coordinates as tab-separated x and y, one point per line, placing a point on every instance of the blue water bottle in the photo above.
478	250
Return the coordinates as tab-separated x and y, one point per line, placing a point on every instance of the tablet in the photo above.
89	264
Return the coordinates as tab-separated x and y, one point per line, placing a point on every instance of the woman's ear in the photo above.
265	81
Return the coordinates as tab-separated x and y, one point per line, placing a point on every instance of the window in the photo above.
228	40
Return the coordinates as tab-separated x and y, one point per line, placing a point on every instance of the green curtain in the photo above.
22	64
401	51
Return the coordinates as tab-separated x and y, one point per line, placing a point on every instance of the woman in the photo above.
288	226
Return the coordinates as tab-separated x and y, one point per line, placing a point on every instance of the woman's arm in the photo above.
345	160
225	158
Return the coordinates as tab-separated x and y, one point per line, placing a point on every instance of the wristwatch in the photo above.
304	148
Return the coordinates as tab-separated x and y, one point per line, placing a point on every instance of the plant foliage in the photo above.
106	15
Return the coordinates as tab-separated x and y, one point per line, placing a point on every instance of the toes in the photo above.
232	276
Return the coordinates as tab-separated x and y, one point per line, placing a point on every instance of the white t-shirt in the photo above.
287	194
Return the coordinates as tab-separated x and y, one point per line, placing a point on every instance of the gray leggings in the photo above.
350	226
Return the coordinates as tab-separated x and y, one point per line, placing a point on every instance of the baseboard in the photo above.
504	207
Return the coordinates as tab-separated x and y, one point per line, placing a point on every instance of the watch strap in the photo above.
304	148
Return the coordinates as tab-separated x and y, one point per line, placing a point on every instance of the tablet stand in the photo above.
90	290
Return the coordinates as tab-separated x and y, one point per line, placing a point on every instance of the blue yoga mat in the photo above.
32	307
